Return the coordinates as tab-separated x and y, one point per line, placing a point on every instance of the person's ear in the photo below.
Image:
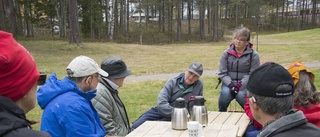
253	103
88	80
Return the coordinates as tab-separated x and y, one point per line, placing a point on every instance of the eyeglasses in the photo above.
42	78
239	40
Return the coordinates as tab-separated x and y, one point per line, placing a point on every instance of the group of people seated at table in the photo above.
279	101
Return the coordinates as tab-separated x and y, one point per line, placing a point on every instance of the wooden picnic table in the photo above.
220	124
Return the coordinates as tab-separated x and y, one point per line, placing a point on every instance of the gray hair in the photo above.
242	32
305	92
275	105
75	79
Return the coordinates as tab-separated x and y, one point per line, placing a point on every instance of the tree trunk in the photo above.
91	14
298	10
163	17
20	23
61	12
170	15
116	18
147	12
313	16
106	14
215	21
64	19
189	17
111	20
27	21
208	17
277	17
160	16
201	18
74	24
12	17
128	20
287	12
122	15
140	27
2	16
179	20
236	13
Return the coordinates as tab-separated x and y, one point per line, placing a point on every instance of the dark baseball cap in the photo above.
196	68
115	67
266	78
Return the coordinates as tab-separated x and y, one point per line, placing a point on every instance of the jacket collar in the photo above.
11	116
284	123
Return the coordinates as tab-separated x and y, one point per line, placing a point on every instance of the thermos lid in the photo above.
180	103
199	101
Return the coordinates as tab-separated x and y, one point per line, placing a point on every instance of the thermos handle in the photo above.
191	99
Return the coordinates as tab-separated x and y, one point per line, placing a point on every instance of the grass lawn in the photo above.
54	56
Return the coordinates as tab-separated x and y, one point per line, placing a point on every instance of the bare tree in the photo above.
298	10
313	16
202	16
111	20
61	12
215	20
2	16
74	24
179	20
189	17
140	27
11	14
27	17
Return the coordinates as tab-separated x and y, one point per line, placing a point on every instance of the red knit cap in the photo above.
18	71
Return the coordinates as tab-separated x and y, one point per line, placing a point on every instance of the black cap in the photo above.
266	78
115	67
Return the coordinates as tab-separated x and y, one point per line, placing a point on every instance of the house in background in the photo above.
135	16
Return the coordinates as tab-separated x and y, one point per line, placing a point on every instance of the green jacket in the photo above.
111	110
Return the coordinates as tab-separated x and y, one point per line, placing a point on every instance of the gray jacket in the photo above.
238	69
172	91
111	110
292	125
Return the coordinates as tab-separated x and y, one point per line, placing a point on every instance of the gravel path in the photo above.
205	73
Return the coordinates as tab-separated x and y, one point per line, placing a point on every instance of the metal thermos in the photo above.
179	117
199	111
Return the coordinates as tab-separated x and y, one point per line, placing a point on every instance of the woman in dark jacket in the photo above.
18	86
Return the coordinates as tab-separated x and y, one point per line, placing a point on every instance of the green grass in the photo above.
55	55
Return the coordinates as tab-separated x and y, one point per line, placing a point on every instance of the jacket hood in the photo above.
248	50
54	87
312	113
11	116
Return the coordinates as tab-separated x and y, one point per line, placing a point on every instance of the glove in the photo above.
239	85
234	89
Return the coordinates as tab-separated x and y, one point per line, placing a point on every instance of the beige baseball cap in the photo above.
84	66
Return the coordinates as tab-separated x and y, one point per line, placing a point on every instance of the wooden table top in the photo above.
220	124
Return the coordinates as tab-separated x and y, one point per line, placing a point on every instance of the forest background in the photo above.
153	21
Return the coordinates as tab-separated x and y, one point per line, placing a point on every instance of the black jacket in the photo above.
13	122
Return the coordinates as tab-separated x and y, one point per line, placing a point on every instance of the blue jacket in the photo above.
67	111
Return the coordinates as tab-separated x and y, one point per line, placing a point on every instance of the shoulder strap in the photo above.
251	57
